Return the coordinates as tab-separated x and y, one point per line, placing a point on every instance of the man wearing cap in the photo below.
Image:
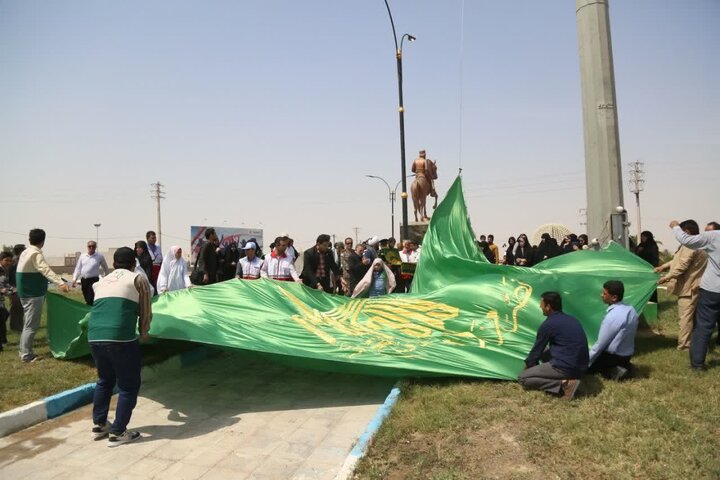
249	266
32	277
318	262
122	308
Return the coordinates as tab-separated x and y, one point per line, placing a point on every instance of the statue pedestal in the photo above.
416	231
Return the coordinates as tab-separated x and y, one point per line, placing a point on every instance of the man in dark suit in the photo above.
318	262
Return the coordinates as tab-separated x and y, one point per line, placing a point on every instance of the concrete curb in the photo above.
55	405
364	441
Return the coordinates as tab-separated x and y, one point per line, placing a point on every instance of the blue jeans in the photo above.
116	362
707	316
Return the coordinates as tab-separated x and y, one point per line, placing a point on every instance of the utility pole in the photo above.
357	229
158	194
603	170
637	182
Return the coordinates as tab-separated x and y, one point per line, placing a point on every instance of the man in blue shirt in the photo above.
568	352
610	356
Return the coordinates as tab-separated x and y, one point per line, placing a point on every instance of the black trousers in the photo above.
607	361
4	315
88	292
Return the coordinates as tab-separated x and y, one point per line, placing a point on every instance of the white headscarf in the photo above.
173	273
366	281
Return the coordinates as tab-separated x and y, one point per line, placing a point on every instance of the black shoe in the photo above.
701	368
101	431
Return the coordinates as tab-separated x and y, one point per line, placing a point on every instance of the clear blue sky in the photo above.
269	114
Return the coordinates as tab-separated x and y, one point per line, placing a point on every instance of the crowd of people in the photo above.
522	253
374	267
121	300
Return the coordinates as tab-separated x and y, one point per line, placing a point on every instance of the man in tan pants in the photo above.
685	270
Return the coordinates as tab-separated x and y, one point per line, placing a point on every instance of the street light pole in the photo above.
391	192
401	110
392	203
97	232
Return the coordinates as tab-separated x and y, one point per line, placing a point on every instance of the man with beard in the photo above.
318	262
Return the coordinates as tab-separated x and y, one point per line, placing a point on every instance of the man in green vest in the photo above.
122	308
32	277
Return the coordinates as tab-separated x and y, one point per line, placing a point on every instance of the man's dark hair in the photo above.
150	232
348	238
691	226
615	287
124	257
491	237
714	225
4	255
278	239
209	232
322	238
37	236
553	299
392	239
18	249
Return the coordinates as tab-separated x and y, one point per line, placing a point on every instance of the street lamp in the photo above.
97	232
401	110
391	193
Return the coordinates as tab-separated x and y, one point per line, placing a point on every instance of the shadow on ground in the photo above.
215	393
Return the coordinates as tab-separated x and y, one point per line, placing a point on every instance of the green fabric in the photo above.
464	316
31	284
113	319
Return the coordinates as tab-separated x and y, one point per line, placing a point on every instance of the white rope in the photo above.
462	60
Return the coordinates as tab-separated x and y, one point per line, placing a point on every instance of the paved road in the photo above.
233	416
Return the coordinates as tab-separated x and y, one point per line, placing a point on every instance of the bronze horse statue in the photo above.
422	186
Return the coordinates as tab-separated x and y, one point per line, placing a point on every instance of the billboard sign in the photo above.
227	235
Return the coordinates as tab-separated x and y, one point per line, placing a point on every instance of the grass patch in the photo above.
662	424
23	383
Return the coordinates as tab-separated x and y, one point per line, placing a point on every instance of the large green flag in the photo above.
464	317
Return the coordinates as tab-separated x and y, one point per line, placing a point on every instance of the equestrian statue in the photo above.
425	172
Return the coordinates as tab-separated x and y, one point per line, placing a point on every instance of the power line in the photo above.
637	185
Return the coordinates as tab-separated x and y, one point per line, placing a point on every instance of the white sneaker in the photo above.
126	437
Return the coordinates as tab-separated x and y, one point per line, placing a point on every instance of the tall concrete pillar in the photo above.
603	169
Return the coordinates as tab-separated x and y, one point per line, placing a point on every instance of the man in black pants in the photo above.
318	262
87	270
568	360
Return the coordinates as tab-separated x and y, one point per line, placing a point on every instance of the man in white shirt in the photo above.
87	270
278	265
249	266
